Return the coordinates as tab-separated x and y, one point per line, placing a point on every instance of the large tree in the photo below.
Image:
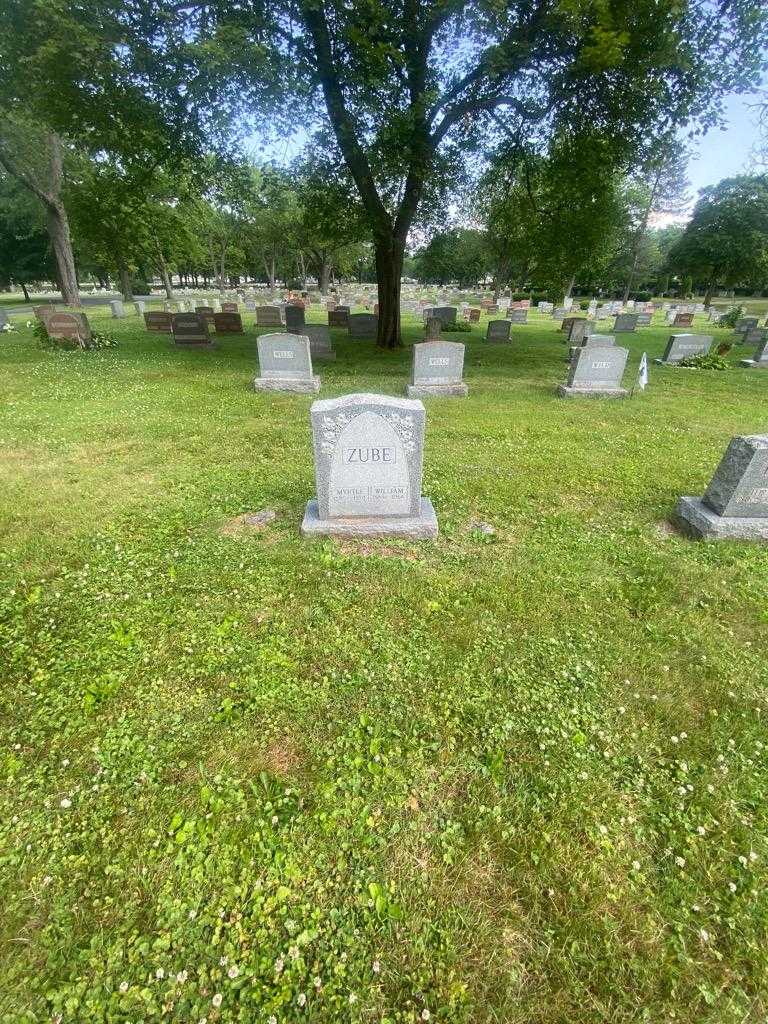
403	80
726	241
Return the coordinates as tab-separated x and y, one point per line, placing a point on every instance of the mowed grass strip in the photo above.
516	778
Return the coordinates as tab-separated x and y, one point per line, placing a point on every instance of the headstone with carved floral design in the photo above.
368	453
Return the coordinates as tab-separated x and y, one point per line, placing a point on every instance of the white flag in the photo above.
642	376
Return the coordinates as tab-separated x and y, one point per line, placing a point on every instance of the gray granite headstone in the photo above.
558	313
760	358
190	329
680	346
735	505
644	319
368	453
625	322
268	316
437	369
362	325
753	336
294	318
580	329
746	323
319	341
433	328
139	307
118	311
250	305
445	314
3	317
518	316
498	330
285	364
596	372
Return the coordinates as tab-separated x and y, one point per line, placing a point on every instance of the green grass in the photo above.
516	779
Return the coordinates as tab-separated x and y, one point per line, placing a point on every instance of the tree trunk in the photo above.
569	289
390	251
24	290
710	289
58	231
126	286
324	275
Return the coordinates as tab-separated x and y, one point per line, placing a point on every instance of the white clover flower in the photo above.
352	998
376	967
317	982
160	973
635	865
65	803
123	986
217	1000
680	861
301	999
233	972
425	1014
704	935
279	965
181	977
743	861
732	886
293	952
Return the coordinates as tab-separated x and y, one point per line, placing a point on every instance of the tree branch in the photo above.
26	180
357	161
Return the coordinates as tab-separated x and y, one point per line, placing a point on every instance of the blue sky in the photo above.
725	152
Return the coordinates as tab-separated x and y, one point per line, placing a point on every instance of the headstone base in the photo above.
564	391
702	523
437	391
751	363
420	527
302	386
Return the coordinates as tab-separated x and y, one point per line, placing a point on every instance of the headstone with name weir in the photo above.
596	372
368	452
285	364
680	346
437	369
735	505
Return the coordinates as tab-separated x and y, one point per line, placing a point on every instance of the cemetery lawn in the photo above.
249	777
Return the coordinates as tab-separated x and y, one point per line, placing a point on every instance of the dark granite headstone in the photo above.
190	329
158	323
227	322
